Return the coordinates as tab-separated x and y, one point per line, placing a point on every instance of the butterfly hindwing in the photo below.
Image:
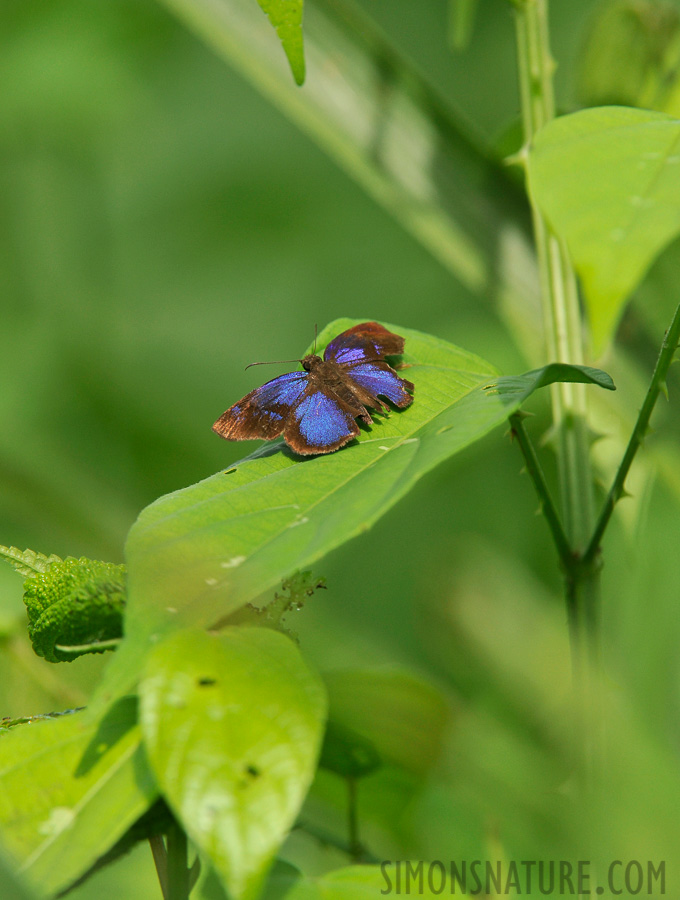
369	340
379	378
319	423
263	412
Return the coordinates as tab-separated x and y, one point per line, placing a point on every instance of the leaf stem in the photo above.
327	839
547	505
160	861
355	848
656	386
178	870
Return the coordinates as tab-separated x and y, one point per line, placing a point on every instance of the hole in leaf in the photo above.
206	682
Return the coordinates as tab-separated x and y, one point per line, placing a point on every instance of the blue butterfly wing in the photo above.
316	417
319	423
263	412
380	379
368	340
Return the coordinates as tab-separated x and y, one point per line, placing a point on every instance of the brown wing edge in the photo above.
245	421
386	343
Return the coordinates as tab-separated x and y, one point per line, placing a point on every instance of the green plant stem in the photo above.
656	386
355	848
178	870
327	839
564	343
547	506
160	860
561	311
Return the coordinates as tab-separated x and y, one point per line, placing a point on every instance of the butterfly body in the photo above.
316	410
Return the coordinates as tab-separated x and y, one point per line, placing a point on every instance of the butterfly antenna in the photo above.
316	333
273	362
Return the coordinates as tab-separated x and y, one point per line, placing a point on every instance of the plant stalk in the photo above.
564	343
656	386
178	878
160	859
548	508
355	848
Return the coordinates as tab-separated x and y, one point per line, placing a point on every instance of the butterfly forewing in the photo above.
262	413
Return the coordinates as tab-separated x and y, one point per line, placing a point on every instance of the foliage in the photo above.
59	827
606	180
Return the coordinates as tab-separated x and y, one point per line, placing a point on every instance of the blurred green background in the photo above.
162	226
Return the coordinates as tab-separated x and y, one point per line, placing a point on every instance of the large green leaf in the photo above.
286	17
411	878
70	789
608	180
198	554
233	723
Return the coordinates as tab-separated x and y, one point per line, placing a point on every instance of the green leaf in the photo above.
197	555
513	387
27	562
347	753
608	181
69	790
416	878
232	724
286	17
404	718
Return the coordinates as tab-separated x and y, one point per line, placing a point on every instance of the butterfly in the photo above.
316	410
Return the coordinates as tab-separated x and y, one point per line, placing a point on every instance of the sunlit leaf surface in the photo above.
233	723
608	180
70	789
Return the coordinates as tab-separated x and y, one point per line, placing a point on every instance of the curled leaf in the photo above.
75	606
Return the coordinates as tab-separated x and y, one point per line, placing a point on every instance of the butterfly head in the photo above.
310	362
